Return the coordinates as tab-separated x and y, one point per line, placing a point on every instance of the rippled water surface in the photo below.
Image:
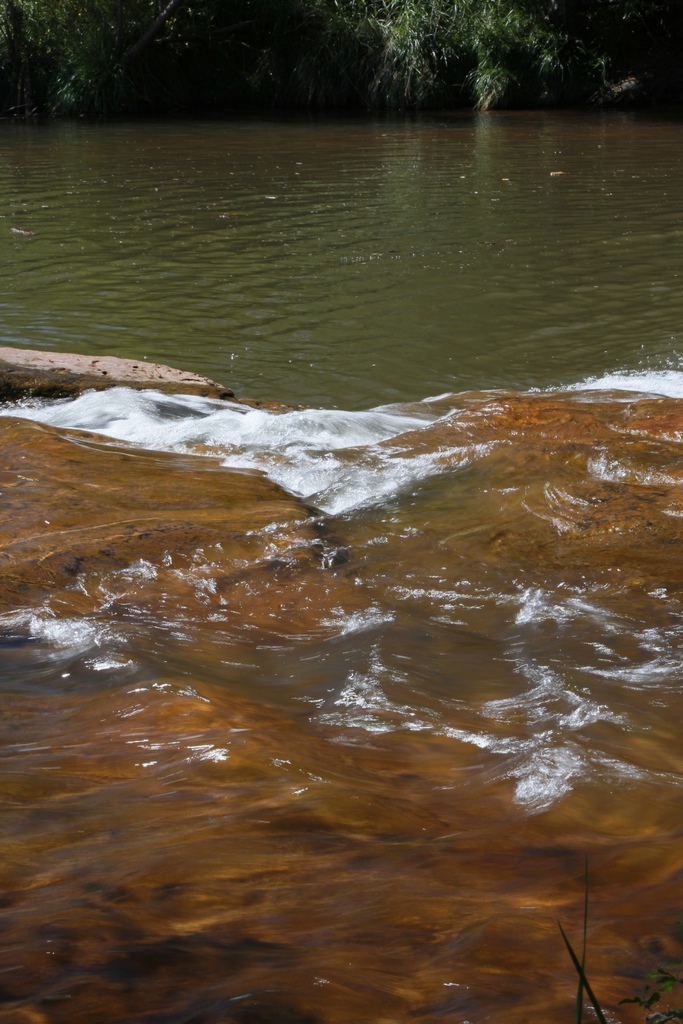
350	262
315	717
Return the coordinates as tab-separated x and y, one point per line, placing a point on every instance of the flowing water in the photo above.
316	716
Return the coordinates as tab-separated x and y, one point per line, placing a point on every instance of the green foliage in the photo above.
84	41
410	53
664	979
520	53
386	53
70	56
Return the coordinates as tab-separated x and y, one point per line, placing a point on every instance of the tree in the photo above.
17	47
152	30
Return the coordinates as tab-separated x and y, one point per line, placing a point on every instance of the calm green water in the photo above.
350	262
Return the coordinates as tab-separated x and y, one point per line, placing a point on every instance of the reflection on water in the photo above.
262	762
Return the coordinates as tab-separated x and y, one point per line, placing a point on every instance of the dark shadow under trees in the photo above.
127	56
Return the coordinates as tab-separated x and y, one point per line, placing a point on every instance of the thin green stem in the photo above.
582	976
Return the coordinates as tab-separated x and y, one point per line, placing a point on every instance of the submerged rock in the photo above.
242	802
99	526
544	485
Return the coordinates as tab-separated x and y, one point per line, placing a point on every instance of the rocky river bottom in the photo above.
314	716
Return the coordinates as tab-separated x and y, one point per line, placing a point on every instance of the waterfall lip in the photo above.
337	461
130	415
328	457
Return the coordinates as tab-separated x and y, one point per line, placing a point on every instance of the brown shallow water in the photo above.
266	763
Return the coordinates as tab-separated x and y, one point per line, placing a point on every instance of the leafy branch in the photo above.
664	979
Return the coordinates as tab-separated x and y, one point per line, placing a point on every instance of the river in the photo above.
318	716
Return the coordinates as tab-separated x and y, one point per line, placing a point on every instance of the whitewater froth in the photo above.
327	456
666	382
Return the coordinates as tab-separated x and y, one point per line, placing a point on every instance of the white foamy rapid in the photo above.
667	383
329	457
306	451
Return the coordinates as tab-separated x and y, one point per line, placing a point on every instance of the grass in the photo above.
580	965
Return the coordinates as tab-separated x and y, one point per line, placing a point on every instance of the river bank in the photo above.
318	54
